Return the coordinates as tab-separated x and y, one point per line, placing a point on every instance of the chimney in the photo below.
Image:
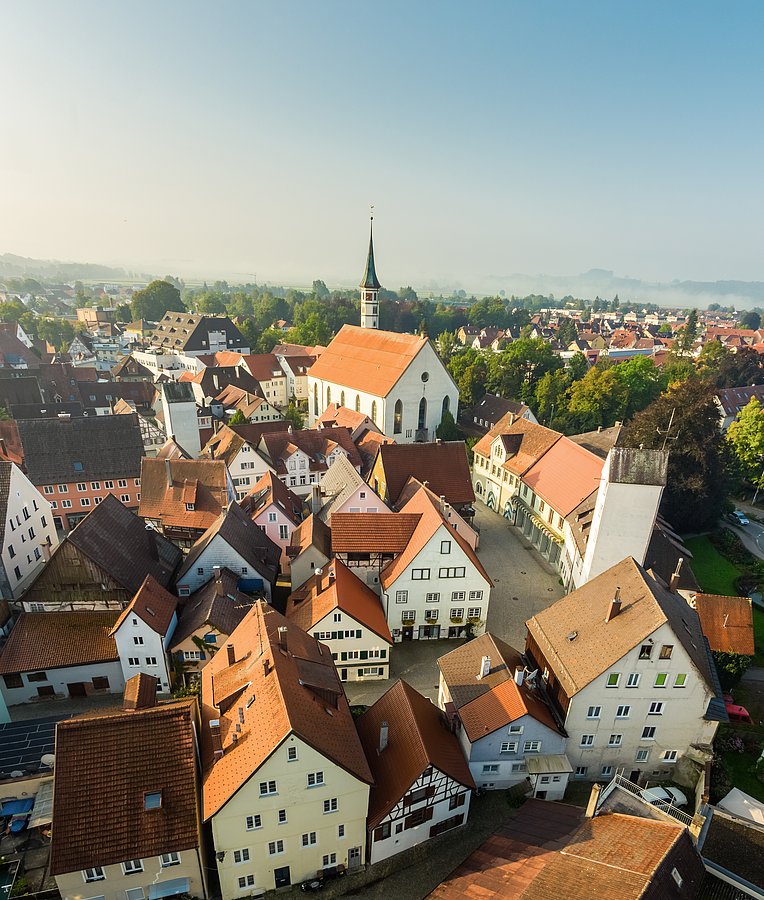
615	606
383	733
283	641
219	589
674	580
519	675
485	667
151	541
594	797
217	740
168	472
315	499
231	654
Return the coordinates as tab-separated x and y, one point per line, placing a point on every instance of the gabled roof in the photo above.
6	472
524	441
188	331
565	475
269	490
599	442
337	588
14	354
372	533
442	465
168	486
53	640
316	445
341	416
118	541
235	527
263	366
727	622
311	532
129	365
366	359
492	408
82	449
493	701
234	397
104	766
152	604
418	736
298	692
368	446
597	645
339	483
732	400
218	603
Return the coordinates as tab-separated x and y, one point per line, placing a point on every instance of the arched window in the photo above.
342	398
328	396
422	413
398	417
357	402
315	398
446	407
374	412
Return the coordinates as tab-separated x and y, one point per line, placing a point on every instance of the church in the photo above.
396	379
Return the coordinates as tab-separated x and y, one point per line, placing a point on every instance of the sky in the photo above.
247	140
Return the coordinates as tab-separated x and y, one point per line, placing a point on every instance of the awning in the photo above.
16	807
537	521
169	888
549	764
42	813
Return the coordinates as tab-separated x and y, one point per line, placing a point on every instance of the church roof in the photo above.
370	280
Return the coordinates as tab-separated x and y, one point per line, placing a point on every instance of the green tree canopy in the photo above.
238	418
751	319
155	300
294	415
746	439
447	430
516	371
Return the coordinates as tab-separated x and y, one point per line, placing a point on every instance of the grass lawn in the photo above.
715	574
738	765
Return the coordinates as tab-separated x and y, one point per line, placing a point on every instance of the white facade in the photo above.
182	423
361	500
297	382
359	653
29	536
218	553
299	478
70	681
246	469
304	566
141	649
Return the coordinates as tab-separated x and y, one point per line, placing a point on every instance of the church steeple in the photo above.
370	287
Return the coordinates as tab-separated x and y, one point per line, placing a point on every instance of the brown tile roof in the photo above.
224	444
366	359
495	700
311	532
442	465
140	691
104	765
339	483
727	622
646	605
263	366
202	482
317	445
297	693
372	533
599	442
218	603
233	397
418	737
271	490
565	475
527	444
337	588
368	445
57	639
342	417
171	449
153	604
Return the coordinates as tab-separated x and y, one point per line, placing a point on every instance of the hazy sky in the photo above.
246	138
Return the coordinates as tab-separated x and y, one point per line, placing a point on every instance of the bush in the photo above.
731	667
721	783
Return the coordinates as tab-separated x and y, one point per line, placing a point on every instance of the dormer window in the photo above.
190	507
152	800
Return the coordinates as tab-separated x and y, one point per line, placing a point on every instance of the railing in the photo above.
667	808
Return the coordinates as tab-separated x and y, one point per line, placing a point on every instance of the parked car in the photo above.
311	885
738	518
670	795
738	715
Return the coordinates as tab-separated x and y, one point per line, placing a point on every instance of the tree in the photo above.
155	300
447	430
551	401
578	366
516	371
447	346
731	667
469	370
320	290
4	414
688	333
567	331
746	439
238	418
294	415
696	487
643	381
599	399
751	319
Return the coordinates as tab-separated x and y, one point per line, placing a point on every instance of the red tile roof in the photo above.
263	366
56	639
316	445
727	622
442	465
340	416
418	737
202	482
153	604
271	490
565	475
372	533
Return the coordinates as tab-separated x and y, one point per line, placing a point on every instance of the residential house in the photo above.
368	447
492	408
465	530
14	354
180	415
731	401
104	395
76	463
27	533
501	718
182	498
267	370
625	664
276	510
109	772
344	490
237	446
102	563
129	369
205	621
727	622
309	549
422	784
58	655
285	783
337	608
336	416
236	542
152	435
143	633
295	362
192	335
253	407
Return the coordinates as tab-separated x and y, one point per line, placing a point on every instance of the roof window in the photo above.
152	800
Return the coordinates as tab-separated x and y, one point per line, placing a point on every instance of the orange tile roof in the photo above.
207	478
341	416
366	359
337	588
316	445
443	465
372	533
525	441
565	475
57	639
104	765
727	622
492	702
418	737
298	692
311	532
271	490
153	604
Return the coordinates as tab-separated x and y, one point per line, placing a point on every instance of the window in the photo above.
138	640
151	660
125	498
490	768
48	489
648	733
581	771
431	615
11	551
519	767
309	839
122	483
458	595
240	856
680	680
473	612
593	712
508	747
315	779
643	754
633	680
95	485
66	504
532	747
275	847
515	729
108	485
656	708
623	712
81	486
408	616
330	806
152	800
607	772
666	651
432	598
677	877
452	572
401	596
330	859
63	488
134	894
660	679
456	801
247	881
445	546
420	574
587	740
476	595
267	787
615	740
291	754
645	651
613	679
382	833
133	661
169	859
670	755
253	822
131	866
283	532
457	613
94	874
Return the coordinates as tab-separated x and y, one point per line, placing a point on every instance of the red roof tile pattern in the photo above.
727	622
271	490
337	416
263	366
372	533
527	442
443	465
218	603
316	445
152	604
57	639
104	766
418	737
140	692
565	476
205	479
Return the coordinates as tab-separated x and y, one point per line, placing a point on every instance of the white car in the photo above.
670	795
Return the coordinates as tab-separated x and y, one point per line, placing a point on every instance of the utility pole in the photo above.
667	432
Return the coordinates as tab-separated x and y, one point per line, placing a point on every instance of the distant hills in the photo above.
13	266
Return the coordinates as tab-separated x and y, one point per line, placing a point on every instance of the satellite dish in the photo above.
48	760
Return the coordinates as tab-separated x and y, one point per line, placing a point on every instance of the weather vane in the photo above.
371	212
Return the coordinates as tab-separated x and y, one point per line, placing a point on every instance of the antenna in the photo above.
371	212
667	432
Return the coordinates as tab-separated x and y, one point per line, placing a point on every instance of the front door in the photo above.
354	857
77	689
634	777
281	876
408	632
344	674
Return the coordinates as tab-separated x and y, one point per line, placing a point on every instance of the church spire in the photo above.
370	281
370	286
